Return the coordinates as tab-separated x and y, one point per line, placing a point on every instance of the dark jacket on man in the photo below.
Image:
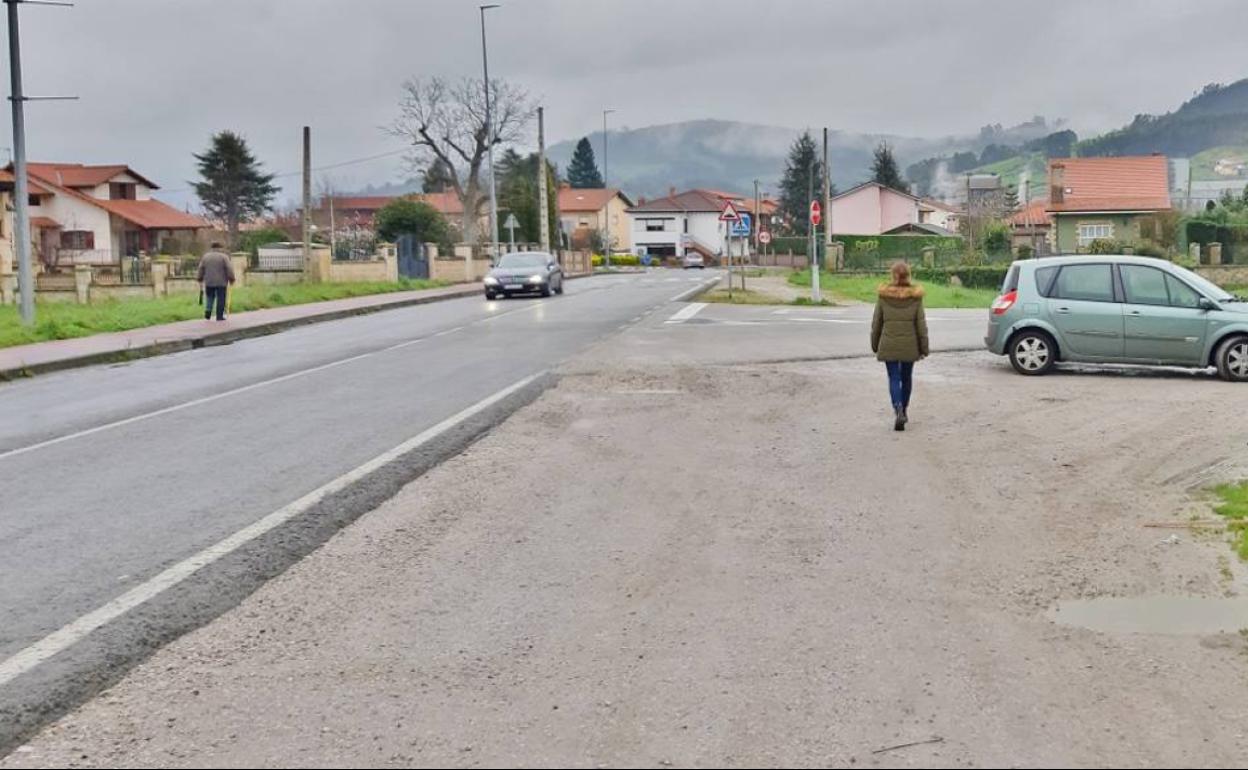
215	270
899	328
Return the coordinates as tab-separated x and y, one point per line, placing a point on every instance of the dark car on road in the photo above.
524	272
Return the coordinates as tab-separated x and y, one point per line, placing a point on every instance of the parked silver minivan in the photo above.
1116	309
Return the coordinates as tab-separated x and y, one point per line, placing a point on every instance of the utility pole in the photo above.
489	144
816	291
21	184
606	216
543	204
827	201
758	223
970	221
307	198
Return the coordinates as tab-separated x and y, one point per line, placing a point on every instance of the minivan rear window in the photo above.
1011	280
1044	280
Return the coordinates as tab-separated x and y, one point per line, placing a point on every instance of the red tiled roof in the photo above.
6	175
151	214
1034	214
1109	184
44	222
79	175
589	199
363	202
447	203
690	200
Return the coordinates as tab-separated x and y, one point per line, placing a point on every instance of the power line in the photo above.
287	174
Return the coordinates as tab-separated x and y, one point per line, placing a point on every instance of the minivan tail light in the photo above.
1004	303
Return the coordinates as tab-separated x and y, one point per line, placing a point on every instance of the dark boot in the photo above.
899	423
905	418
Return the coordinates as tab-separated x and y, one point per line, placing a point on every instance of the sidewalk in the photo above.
26	360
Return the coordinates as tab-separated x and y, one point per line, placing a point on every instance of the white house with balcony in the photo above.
91	215
680	223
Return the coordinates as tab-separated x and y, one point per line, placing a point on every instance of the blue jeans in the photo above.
899	382
214	295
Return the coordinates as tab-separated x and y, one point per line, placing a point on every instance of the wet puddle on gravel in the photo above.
1153	615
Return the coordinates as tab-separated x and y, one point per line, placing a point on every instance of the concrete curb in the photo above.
227	336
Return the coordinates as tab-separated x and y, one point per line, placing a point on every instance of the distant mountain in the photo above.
729	155
1216	116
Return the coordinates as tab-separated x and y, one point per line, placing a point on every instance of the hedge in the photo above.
867	251
1233	237
972	277
624	260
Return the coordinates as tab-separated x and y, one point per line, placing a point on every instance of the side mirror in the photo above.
1204	303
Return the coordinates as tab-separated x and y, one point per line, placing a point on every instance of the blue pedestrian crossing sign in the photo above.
741	227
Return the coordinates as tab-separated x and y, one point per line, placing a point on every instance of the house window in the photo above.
121	191
584	221
32	200
1094	231
656	225
77	240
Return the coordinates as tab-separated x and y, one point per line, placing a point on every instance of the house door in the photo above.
132	242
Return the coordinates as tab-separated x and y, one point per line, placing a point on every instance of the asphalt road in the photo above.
110	475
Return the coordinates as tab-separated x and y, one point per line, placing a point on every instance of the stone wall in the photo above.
272	277
384	270
1225	275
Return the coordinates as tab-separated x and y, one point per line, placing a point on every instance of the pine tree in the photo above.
234	187
518	194
884	169
437	178
583	170
796	187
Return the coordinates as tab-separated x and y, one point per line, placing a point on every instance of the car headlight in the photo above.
491	279
536	278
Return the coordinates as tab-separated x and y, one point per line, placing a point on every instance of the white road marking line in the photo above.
70	634
179	407
243	389
686	312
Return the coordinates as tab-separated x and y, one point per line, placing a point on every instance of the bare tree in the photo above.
445	123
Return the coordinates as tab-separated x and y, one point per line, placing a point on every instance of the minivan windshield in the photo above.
1205	286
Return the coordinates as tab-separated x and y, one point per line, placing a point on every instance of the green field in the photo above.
862	288
1203	162
1011	169
58	321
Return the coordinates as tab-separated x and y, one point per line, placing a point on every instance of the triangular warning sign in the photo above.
729	214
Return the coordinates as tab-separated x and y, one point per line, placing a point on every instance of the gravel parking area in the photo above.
738	566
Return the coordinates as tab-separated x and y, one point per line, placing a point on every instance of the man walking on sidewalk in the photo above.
215	274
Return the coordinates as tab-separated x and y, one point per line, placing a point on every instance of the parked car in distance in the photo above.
1116	309
693	259
524	272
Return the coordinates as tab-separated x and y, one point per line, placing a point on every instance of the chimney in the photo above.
1057	183
671	192
641	200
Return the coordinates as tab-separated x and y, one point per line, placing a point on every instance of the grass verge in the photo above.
739	297
1234	506
862	288
58	321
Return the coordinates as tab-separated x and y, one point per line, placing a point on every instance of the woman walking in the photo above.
899	336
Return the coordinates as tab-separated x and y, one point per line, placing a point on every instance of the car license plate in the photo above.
513	286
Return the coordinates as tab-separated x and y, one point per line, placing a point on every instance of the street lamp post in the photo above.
606	216
489	138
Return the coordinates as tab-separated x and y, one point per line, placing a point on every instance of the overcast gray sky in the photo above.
156	77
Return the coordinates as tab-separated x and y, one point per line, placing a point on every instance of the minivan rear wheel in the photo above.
1032	352
1232	359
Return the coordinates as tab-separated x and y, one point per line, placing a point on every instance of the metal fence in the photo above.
279	260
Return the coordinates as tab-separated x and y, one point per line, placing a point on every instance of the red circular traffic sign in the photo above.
764	237
816	212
